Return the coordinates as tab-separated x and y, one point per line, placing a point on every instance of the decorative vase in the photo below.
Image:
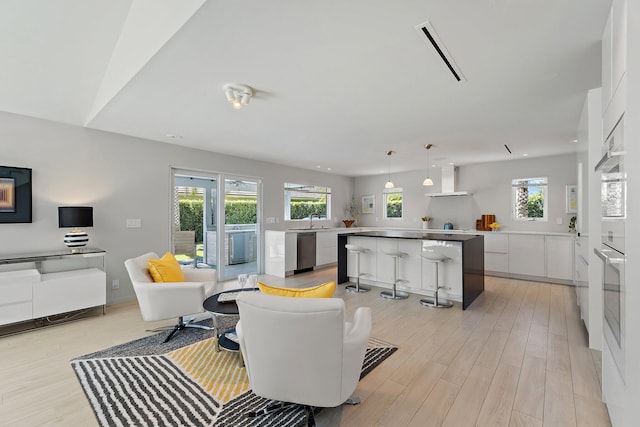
348	222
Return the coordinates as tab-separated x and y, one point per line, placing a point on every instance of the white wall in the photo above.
490	184
123	177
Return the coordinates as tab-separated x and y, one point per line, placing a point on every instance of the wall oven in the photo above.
612	250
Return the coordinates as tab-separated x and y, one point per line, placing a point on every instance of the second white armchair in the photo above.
301	350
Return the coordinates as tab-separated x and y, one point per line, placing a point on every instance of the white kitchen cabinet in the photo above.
581	278
326	247
607	49
449	272
410	266
614	59
527	254
496	252
290	251
559	257
385	262
368	259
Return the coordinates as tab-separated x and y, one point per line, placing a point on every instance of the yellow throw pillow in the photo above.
324	290
165	269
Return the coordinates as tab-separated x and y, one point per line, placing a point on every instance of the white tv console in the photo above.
37	288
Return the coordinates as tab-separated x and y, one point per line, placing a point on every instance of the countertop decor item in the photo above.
448	225
494	226
352	210
425	222
483	223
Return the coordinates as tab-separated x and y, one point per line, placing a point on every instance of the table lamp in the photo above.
75	217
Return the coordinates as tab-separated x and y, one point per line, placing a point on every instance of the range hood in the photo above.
449	184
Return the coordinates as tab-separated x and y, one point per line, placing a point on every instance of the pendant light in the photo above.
389	184
427	181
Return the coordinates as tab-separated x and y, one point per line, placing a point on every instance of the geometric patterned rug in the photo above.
192	385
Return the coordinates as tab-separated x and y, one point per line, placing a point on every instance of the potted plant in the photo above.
352	210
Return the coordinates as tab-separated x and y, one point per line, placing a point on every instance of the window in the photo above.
300	201
393	203
529	199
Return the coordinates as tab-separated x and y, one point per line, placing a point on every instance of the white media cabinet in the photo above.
40	288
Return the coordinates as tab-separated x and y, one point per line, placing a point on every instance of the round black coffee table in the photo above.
230	308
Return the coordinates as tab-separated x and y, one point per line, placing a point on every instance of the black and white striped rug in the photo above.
156	390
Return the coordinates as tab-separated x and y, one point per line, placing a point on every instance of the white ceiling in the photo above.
338	82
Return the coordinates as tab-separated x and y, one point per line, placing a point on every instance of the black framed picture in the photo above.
15	195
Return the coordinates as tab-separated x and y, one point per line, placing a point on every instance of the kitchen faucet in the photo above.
311	219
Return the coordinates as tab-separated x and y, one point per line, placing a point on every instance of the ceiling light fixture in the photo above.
427	181
389	184
238	95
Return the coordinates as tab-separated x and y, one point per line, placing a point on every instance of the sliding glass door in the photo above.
215	222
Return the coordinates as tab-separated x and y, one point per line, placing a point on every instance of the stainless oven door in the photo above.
613	294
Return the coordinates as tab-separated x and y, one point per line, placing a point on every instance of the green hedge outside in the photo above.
302	210
236	212
191	217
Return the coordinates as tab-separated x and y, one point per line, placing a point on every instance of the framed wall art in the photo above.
571	194
15	195
368	204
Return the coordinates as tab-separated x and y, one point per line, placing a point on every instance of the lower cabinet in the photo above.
559	257
527	254
326	247
545	257
496	252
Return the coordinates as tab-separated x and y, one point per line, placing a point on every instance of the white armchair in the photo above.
160	301
301	350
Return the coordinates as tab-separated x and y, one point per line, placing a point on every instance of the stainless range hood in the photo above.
449	184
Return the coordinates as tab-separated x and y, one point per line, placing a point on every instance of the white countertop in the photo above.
430	230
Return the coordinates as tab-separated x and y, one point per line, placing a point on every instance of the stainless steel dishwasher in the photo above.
306	243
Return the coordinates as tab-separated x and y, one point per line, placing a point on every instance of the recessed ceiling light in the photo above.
574	140
328	169
173	136
318	166
525	155
450	163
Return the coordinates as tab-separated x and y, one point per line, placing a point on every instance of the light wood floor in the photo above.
517	357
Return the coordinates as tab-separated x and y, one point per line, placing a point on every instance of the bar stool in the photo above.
357	250
436	257
395	294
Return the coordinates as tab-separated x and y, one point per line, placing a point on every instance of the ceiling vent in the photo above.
431	36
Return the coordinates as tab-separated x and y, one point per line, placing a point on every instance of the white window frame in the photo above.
518	182
385	194
303	188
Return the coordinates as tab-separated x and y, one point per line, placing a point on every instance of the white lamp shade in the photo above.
427	181
389	184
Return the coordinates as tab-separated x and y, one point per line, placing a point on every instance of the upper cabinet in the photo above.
614	66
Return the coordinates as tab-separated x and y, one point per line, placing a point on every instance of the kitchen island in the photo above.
462	276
